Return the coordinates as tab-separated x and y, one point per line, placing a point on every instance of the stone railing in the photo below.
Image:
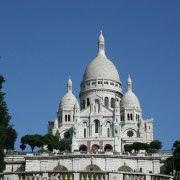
89	153
82	176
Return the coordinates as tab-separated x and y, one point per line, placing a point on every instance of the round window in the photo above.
130	133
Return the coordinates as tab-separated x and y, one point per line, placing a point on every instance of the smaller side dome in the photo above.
130	100
69	100
77	105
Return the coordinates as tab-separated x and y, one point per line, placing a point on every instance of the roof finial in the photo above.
129	83
101	45
69	84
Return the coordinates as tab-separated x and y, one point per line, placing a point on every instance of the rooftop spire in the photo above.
69	84
129	83
101	44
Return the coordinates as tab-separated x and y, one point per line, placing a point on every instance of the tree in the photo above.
175	144
10	139
137	146
128	148
64	145
23	147
51	141
2	163
8	134
32	140
156	144
176	157
173	163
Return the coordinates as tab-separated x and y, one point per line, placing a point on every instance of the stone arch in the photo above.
60	168
106	101
125	168
108	122
108	147
92	167
96	104
95	147
82	147
97	126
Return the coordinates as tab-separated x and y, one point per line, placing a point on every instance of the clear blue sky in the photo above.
43	42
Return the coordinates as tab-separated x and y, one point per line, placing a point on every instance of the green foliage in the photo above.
175	144
2	163
156	144
52	142
32	140
128	147
10	139
8	134
23	147
64	145
176	156
173	163
137	146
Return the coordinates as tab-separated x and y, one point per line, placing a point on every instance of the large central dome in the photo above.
101	67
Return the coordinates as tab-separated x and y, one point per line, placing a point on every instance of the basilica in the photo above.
105	118
98	125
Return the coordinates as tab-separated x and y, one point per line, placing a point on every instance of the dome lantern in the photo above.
69	85
129	83
101	45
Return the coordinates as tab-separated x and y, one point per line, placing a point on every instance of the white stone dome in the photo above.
77	105
69	100
130	100
101	67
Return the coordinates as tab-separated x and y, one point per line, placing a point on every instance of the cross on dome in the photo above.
69	84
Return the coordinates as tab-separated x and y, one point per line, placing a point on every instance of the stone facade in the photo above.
106	119
98	128
85	162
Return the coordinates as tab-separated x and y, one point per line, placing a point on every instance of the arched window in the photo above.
69	118
88	102
84	132
65	117
128	116
122	117
83	104
106	101
112	102
96	106
131	116
108	132
96	126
